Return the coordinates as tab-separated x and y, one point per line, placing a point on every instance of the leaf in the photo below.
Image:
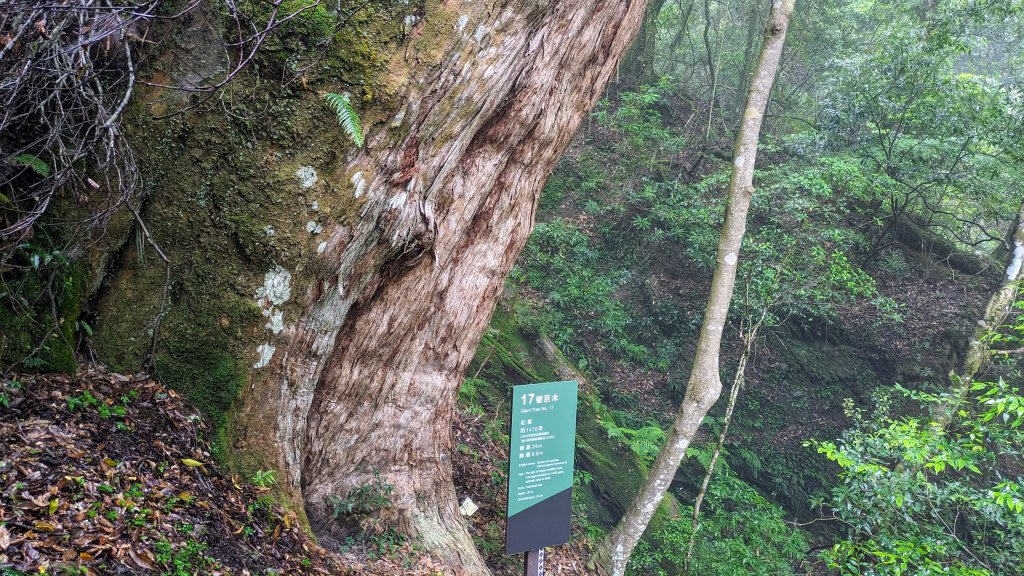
34	163
84	327
143	559
44	526
191	463
348	118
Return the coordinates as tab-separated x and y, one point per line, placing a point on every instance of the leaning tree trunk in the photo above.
996	311
362	383
705	385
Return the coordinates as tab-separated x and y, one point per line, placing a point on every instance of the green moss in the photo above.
618	473
312	19
40	306
201	356
208	214
225	208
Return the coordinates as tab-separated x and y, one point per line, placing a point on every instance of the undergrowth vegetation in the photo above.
884	188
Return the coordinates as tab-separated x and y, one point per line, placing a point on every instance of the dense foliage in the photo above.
889	173
918	498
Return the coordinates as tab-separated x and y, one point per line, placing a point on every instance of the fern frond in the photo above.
750	459
348	118
34	163
651	434
703	456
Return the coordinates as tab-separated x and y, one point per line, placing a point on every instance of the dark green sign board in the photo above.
540	466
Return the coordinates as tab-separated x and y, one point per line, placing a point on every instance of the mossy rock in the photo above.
40	308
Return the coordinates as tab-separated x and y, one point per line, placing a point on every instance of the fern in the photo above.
34	163
750	459
644	442
348	118
647	441
701	455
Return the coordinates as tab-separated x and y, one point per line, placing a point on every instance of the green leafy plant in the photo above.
184	560
740	533
363	499
7	388
348	118
83	400
33	162
644	442
920	498
263	479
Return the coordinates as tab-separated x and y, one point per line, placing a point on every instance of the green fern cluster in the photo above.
348	118
644	442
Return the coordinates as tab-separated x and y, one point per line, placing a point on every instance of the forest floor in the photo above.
110	474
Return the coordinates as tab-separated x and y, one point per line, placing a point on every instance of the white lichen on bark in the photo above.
266	353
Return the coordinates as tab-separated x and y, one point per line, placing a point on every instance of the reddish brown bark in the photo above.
364	383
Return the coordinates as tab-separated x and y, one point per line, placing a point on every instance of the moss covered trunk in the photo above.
327	300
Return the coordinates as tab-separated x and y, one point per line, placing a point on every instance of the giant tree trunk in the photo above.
362	382
705	385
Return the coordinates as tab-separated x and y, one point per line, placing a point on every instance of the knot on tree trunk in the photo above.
409	224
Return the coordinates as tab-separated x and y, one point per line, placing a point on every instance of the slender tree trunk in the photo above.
996	310
749	45
705	384
716	452
709	54
363	382
638	65
683	32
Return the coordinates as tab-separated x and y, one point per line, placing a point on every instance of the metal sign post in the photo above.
541	458
533	563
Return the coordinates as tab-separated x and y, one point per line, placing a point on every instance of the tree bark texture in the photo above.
705	385
362	383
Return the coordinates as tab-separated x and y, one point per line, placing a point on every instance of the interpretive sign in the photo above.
543	444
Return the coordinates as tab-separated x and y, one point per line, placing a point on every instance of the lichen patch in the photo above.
307	177
359	182
266	352
276	322
276	288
